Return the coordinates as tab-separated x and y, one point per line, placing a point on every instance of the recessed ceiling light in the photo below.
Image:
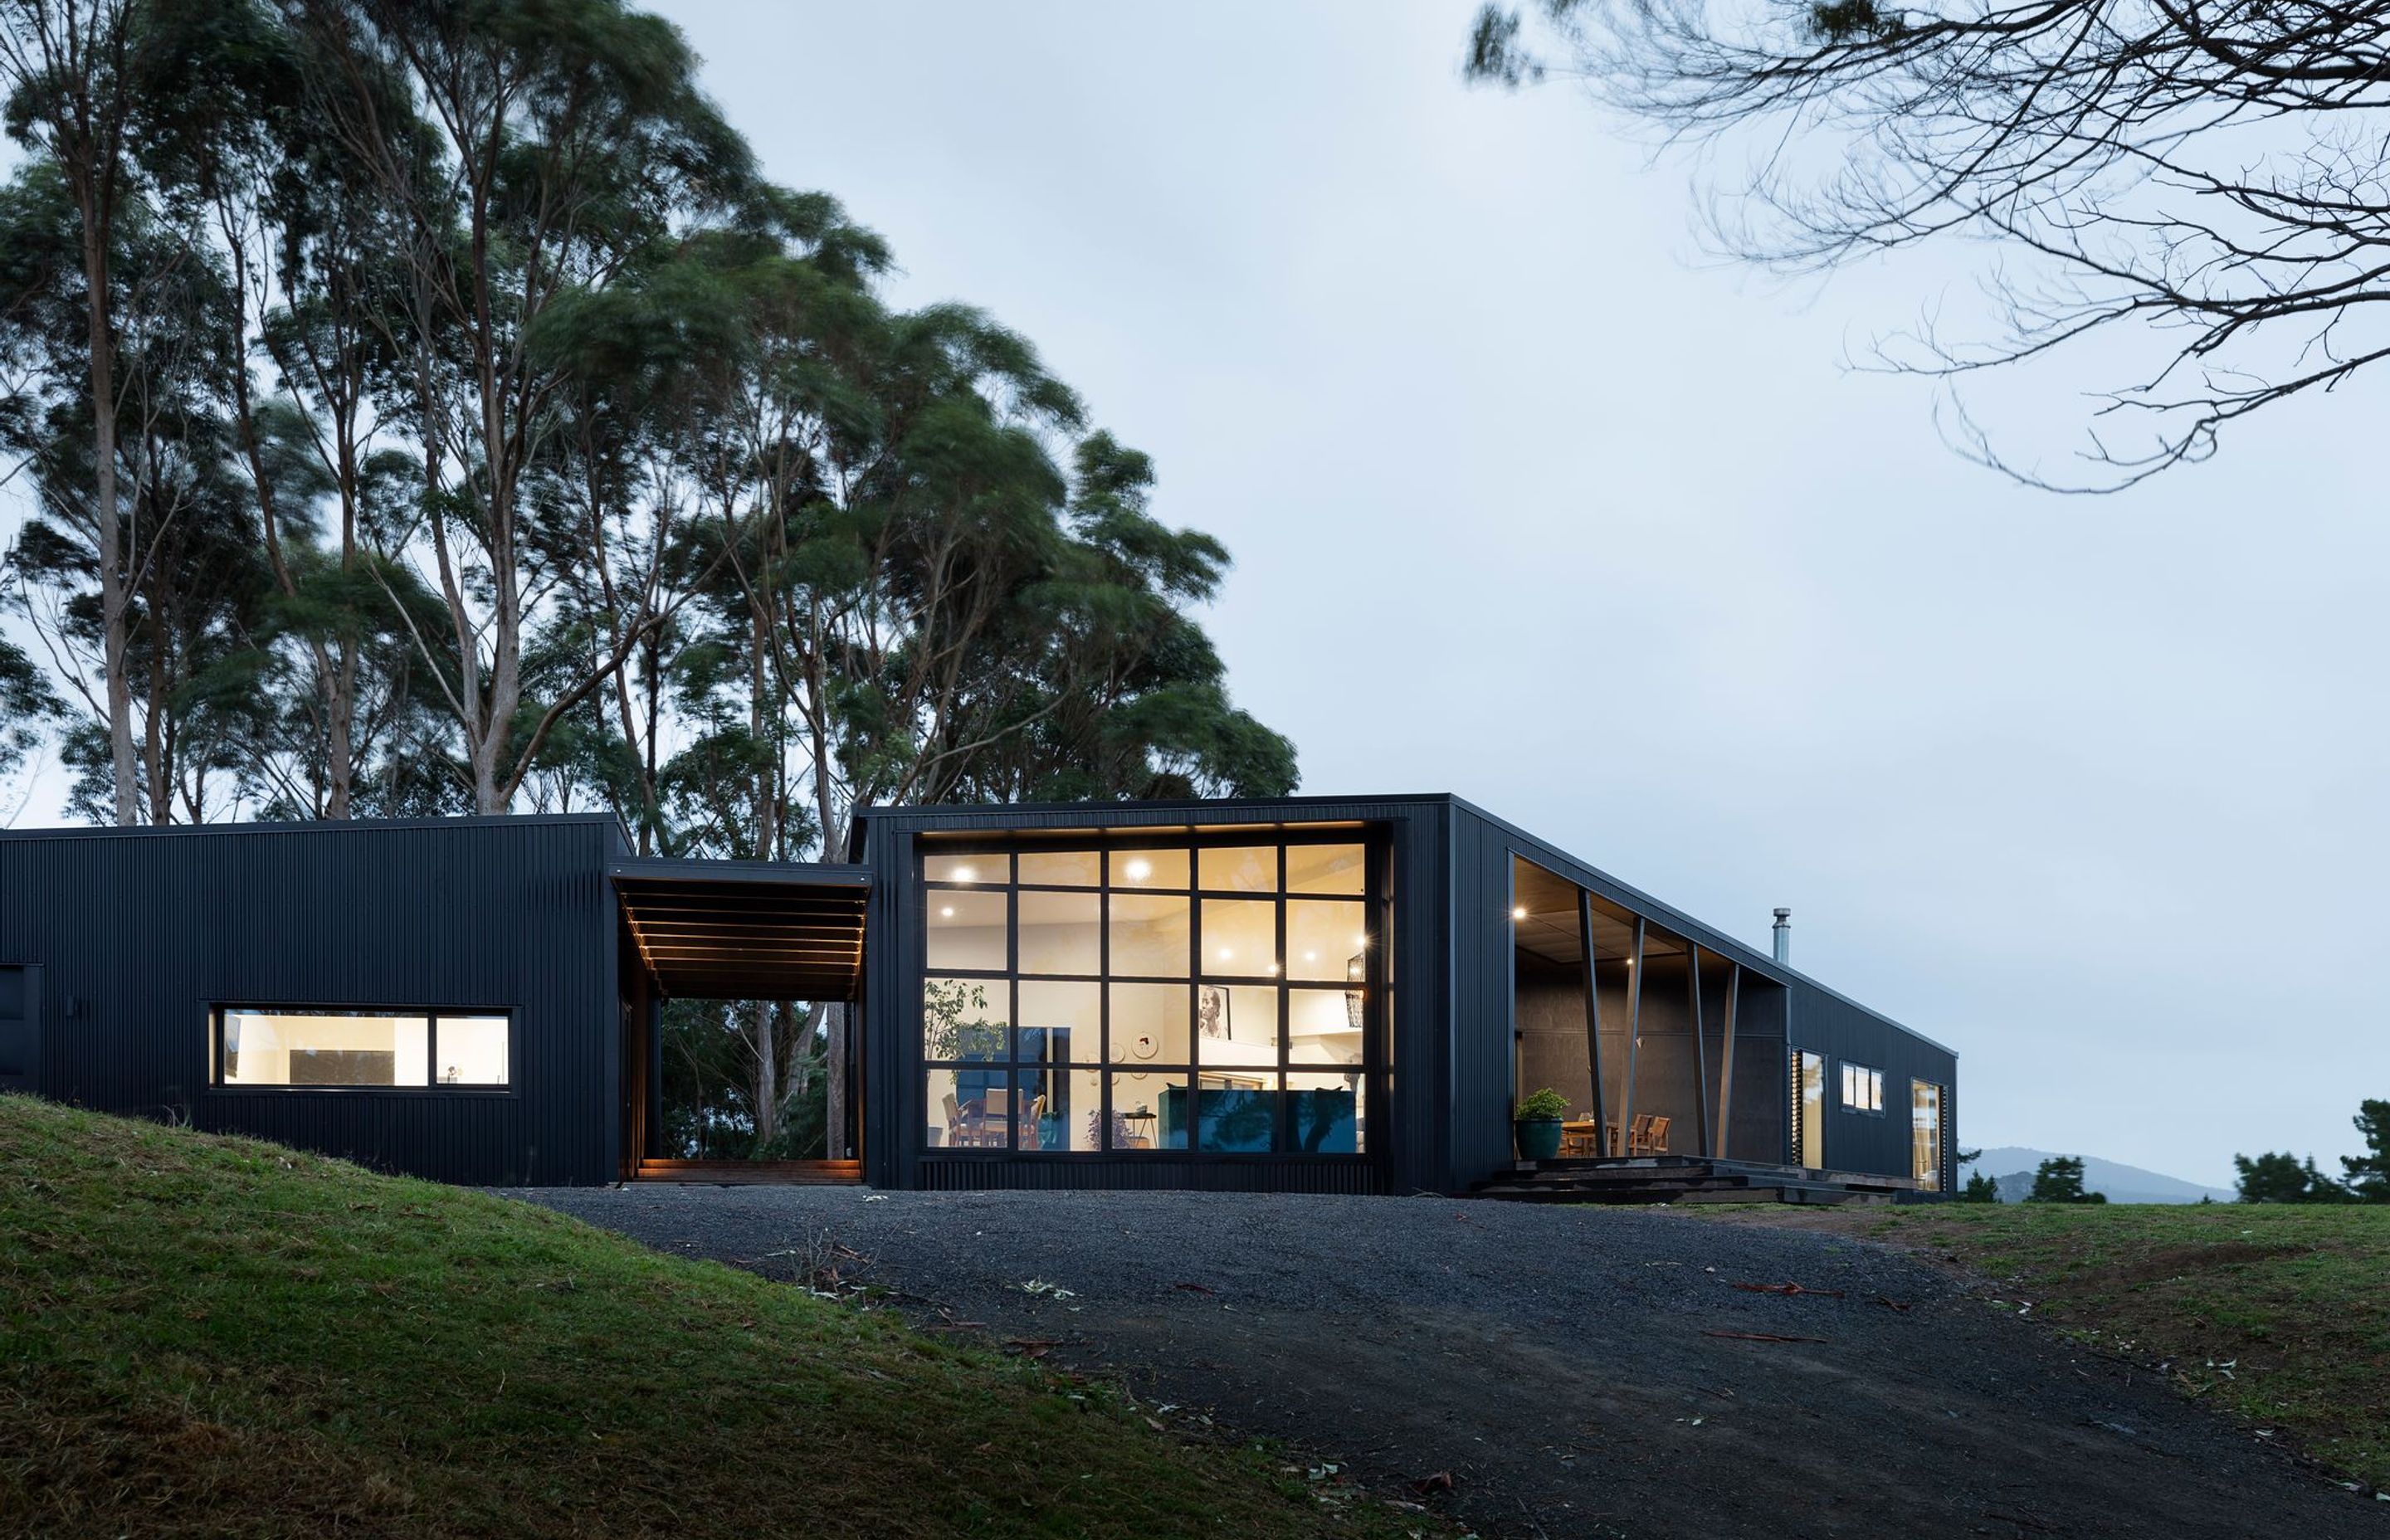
1362	940
1519	913
1225	953
1311	956
1139	869
946	912
965	874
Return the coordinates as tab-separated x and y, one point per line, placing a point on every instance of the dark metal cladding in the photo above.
1448	1047
139	932
116	944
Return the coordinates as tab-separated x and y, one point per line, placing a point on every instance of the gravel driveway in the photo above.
1573	1370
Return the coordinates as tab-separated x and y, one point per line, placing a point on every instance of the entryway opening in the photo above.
741	1020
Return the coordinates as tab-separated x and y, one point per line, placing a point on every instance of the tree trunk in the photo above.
834	1141
768	1077
113	599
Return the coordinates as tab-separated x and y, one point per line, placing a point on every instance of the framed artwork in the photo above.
1211	1011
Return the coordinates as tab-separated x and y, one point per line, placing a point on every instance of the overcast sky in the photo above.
1532	503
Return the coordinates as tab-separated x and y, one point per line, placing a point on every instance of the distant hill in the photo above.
2013	1168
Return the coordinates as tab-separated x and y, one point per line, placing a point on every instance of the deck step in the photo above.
1685	1179
753	1174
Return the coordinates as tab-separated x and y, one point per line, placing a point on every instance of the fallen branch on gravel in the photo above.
1761	1337
1788	1289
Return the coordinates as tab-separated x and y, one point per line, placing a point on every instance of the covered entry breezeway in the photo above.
737	930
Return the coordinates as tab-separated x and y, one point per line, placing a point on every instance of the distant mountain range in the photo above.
2013	1167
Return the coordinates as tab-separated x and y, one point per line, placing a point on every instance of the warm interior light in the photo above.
1519	913
1139	869
1362	940
948	912
965	874
1225	953
1311	956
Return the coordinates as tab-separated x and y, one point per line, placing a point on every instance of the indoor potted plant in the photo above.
1538	1124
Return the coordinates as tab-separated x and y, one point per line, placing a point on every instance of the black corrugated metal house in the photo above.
1312	993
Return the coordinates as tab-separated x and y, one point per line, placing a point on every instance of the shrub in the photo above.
1545	1103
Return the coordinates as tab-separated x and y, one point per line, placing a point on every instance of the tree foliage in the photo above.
429	406
2285	1178
2367	1176
1981	1187
2192	197
2060	1180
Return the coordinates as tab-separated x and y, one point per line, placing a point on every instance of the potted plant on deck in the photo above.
1538	1124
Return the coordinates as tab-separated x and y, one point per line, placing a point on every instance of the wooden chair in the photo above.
1655	1139
1639	1135
1030	1137
1580	1138
954	1121
976	1127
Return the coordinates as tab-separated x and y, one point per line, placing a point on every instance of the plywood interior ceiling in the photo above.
1550	927
747	930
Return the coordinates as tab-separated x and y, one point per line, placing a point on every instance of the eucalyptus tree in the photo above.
564	140
77	76
314	324
141	644
2199	192
1096	682
28	707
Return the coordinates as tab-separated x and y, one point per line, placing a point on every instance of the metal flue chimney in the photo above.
1783	935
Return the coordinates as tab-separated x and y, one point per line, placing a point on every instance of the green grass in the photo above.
206	1335
2278	1314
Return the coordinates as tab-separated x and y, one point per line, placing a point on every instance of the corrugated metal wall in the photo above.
140	932
1287	1174
1825	1023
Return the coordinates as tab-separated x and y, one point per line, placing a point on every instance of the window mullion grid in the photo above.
1011	1061
1194	1009
1103	1008
1282	1130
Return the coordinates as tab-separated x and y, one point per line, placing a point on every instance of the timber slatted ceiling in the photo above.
747	930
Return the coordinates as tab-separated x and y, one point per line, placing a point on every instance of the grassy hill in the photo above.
213	1336
2279	1314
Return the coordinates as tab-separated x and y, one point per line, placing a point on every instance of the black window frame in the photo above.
1376	905
433	1086
1861	1109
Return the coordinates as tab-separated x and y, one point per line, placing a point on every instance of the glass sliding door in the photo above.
1809	1109
1925	1132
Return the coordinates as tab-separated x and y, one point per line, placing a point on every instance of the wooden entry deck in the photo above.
1690	1179
753	1174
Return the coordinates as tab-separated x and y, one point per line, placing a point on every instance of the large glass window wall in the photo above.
1203	995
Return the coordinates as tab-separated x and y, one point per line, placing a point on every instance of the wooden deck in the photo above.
753	1174
1690	1179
